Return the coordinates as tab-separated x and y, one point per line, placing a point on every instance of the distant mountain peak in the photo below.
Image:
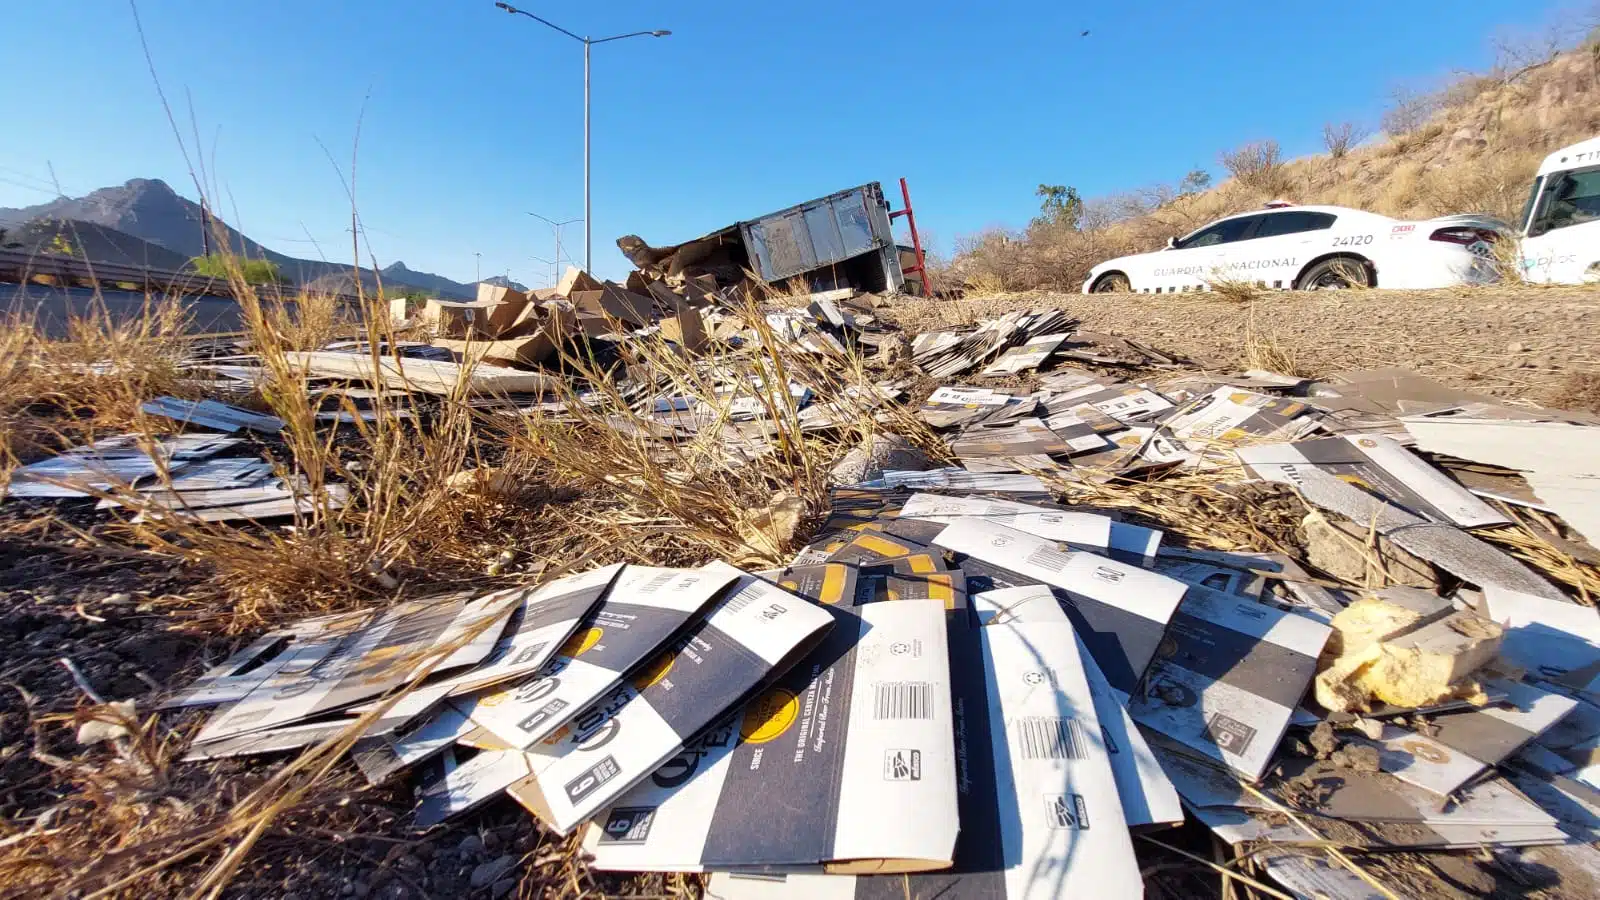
148	184
149	210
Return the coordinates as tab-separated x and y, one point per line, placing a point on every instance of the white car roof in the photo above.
1583	153
1335	210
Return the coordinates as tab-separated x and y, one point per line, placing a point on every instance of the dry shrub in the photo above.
1257	165
1409	109
1498	184
1338	139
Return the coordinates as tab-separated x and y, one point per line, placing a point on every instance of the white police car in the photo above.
1312	248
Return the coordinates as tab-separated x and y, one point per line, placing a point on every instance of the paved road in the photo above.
53	306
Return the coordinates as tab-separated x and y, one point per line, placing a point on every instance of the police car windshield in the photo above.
1219	233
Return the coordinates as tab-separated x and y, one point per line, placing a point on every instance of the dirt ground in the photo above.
1533	343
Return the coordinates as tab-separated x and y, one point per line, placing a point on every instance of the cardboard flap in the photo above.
574	280
613	302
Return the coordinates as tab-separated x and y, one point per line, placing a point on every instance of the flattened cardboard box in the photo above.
1228	415
1027	437
368	663
378	759
636	619
1123	402
1228	677
846	762
757	632
1379	465
294	648
1466	743
540	620
1040	813
1463	744
1120	610
1147	795
947	407
1082	529
544	620
1030	355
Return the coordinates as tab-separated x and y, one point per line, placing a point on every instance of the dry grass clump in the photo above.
55	392
1578	391
1233	290
311	319
732	488
1263	350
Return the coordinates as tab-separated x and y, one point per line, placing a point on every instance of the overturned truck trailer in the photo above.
842	240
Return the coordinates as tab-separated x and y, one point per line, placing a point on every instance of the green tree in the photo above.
222	265
1060	205
1193	183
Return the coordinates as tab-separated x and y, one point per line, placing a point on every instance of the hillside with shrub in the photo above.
1472	146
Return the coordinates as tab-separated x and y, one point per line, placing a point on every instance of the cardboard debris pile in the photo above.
963	688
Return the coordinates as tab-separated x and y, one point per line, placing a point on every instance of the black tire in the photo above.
1111	283
1336	274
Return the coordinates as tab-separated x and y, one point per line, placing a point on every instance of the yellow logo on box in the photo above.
769	716
495	699
654	671
582	642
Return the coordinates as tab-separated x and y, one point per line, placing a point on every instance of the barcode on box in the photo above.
903	700
1049	558
743	598
657	582
1050	737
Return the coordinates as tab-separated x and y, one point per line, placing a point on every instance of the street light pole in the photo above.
555	228
588	211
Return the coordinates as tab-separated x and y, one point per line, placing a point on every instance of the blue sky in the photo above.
474	117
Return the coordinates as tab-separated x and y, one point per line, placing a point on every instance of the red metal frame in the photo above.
921	268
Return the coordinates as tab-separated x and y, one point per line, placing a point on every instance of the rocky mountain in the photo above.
86	240
503	281
149	210
397	273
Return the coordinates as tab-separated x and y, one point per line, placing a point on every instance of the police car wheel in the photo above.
1336	274
1114	283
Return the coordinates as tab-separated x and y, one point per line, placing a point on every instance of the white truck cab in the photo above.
1560	226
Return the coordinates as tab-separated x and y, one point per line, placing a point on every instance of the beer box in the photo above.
641	614
756	633
846	763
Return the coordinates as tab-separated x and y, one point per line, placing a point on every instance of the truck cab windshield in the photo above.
1574	198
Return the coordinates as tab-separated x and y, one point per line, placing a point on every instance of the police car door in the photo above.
1283	243
1193	262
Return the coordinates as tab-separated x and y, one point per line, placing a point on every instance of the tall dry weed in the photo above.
61	390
